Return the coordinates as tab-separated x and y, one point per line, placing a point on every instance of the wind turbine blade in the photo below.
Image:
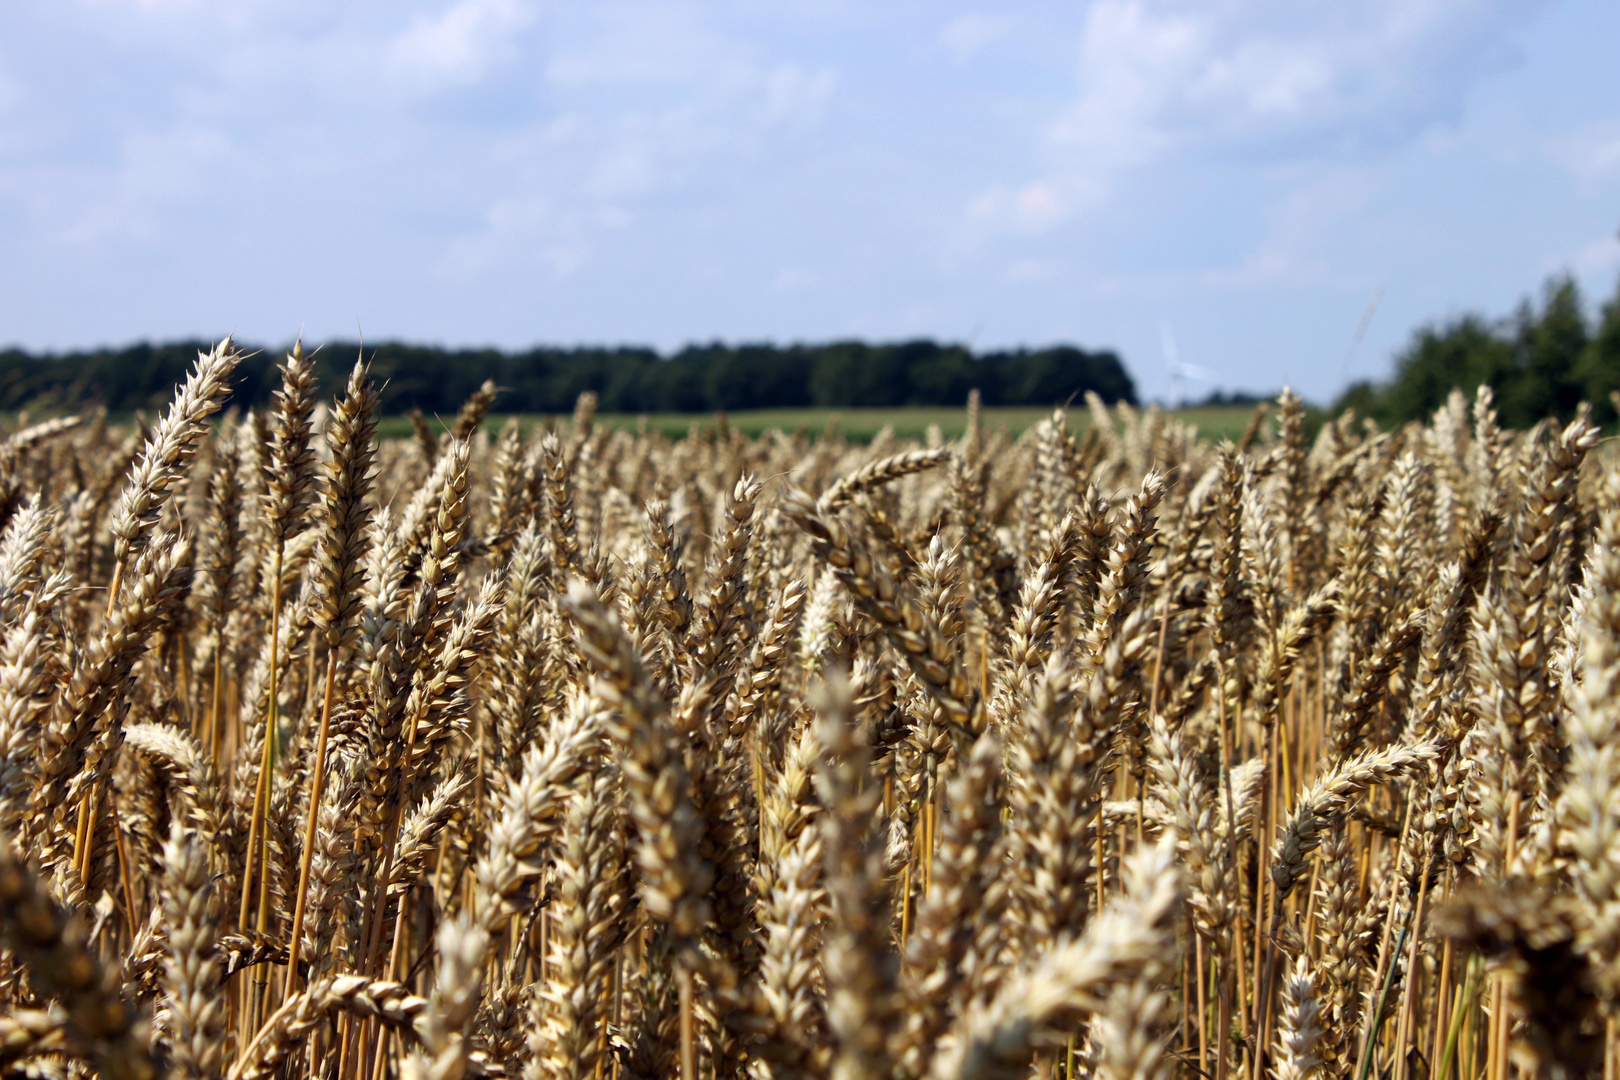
1167	341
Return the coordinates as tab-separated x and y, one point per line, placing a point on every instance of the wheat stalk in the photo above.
624	763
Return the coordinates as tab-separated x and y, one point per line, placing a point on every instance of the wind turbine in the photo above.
1361	332
1180	372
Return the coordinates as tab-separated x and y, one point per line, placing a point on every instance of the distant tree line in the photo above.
699	378
1543	360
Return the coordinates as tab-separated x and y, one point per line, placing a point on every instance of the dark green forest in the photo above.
699	378
1542	360
1545	358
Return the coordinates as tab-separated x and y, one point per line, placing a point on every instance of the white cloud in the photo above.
1264	80
156	173
525	232
1264	70
1592	154
153	5
1299	228
637	44
647	102
559	139
794	279
663	169
10	92
1030	208
1031	271
1599	258
797	97
462	43
966	35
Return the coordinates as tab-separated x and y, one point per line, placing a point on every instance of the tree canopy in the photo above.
699	378
1543	360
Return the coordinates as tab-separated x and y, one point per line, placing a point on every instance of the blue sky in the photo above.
1232	180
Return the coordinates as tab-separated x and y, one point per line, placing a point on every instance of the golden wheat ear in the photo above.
858	959
943	957
165	457
1299	1025
195	1015
337	577
625	765
675	874
1555	989
1036	1009
96	1020
595	900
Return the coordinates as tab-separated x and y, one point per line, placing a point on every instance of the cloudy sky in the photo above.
1233	181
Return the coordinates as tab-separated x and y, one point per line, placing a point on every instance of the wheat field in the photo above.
587	753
